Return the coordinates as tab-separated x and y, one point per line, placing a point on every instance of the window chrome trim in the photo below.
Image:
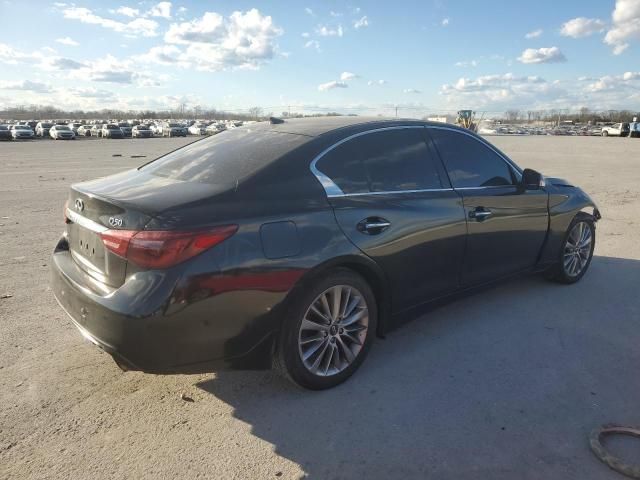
331	189
85	222
508	161
391	192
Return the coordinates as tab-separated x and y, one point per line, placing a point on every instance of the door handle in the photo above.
373	225
480	214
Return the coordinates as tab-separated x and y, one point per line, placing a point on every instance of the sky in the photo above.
422	57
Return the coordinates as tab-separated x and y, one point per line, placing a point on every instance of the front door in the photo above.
506	223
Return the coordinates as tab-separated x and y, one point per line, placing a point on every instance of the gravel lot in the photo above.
502	385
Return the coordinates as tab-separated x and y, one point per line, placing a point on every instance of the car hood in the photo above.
559	182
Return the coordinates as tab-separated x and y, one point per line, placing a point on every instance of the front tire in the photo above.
576	252
328	331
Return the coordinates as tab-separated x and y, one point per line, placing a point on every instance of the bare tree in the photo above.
512	115
255	112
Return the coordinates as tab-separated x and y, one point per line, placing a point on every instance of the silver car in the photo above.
61	132
19	132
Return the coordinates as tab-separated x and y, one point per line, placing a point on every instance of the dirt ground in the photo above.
506	384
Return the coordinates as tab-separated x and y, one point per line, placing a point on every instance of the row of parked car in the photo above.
617	130
131	129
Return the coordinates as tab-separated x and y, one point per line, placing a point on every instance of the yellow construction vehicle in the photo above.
467	119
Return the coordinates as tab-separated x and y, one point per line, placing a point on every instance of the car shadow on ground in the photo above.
503	384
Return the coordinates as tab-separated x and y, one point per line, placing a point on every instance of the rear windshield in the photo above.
225	158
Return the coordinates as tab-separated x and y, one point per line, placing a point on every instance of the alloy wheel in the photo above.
333	330
577	249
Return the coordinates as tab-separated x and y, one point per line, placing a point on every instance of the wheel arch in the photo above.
561	214
367	269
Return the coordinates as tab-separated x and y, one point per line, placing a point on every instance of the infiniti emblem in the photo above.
79	204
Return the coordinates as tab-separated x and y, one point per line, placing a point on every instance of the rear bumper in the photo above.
144	326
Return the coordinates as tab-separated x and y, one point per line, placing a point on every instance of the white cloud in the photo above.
465	64
60	63
164	55
542	55
411	90
313	44
445	22
309	11
67	41
534	34
335	14
305	35
498	91
325	31
92	93
626	25
26	85
138	27
128	11
331	85
109	69
162	10
581	27
361	23
214	43
347	76
376	82
629	81
12	56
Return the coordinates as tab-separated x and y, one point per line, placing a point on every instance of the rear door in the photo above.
394	201
507	224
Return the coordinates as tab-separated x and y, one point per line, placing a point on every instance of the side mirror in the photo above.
532	180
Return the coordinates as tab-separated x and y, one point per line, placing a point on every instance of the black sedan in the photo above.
294	243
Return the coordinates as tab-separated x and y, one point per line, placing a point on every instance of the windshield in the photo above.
123	124
61	127
3	127
142	127
174	125
112	127
46	125
22	127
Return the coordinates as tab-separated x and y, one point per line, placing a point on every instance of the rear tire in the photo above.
605	134
337	332
576	251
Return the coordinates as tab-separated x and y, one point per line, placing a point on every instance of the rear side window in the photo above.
343	166
225	158
385	161
469	162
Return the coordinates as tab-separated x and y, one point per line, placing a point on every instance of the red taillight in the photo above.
163	248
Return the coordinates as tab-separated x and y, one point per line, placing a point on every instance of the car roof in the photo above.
316	126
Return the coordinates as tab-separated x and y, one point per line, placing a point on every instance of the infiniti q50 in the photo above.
294	243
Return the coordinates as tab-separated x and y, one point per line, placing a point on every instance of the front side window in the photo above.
383	161
469	162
